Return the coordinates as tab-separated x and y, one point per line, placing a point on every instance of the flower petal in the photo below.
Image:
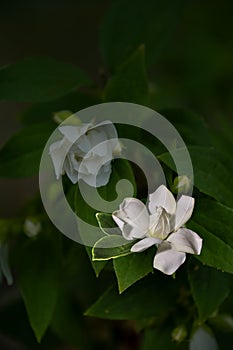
162	197
184	211
58	151
133	213
73	133
168	260
185	240
145	243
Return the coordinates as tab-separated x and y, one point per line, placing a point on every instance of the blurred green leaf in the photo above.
110	247
20	156
191	127
211	175
202	279
39	79
131	268
135	22
149	297
67	322
44	111
158	339
129	84
39	267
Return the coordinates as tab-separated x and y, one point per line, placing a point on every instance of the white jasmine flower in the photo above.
161	224
82	160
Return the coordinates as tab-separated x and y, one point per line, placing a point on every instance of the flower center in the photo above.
159	224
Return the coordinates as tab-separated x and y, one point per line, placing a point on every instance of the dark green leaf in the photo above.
20	156
110	247
45	111
39	79
132	23
67	321
216	218
129	84
191	127
120	169
131	268
39	264
211	176
158	339
107	224
149	297
215	252
202	279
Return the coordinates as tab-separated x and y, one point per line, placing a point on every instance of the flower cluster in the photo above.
85	152
161	224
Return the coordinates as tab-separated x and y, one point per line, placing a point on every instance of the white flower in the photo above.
77	156
162	224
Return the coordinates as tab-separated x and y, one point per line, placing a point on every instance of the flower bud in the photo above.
181	184
179	333
32	227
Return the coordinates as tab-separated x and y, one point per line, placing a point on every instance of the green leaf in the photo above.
129	84
111	247
120	169
39	264
131	268
213	222
202	279
191	127
158	339
215	252
203	339
97	265
216	218
211	176
39	79
20	156
133	23
45	111
67	321
153	296
107	224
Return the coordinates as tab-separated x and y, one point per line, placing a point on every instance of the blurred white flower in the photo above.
161	224
181	184
85	152
4	264
32	227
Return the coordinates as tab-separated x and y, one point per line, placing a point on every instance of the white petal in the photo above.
185	240
184	210
73	133
58	151
143	244
133	213
162	197
168	260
